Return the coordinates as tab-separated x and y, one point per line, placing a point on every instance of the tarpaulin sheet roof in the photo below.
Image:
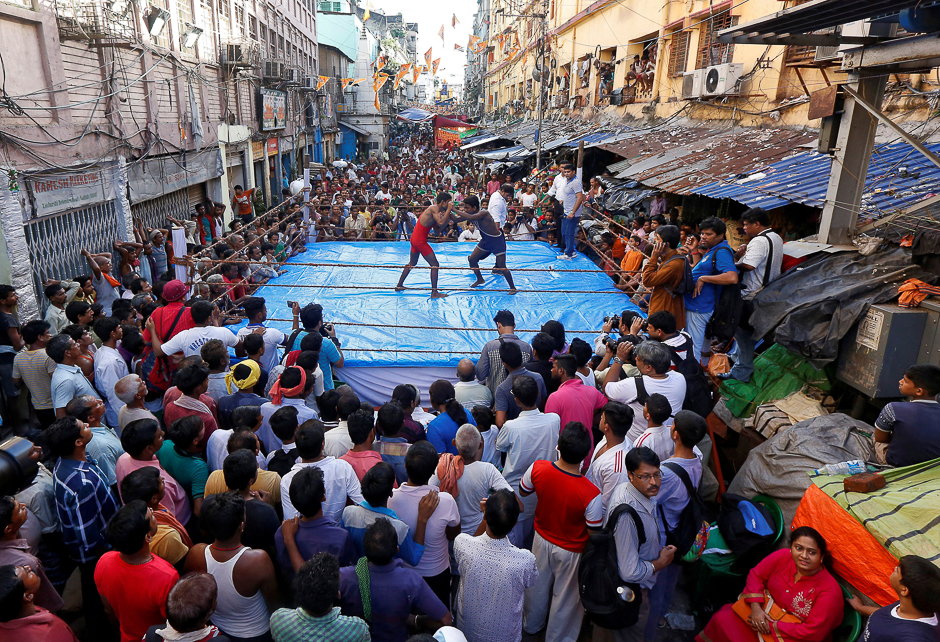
415	115
590	138
475	141
443	121
804	178
516	151
413	307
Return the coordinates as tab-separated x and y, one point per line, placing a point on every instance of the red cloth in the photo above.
573	401
238	289
817	600
163	319
136	593
563	500
172	412
41	625
449	471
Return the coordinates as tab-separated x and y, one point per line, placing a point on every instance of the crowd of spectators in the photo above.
216	485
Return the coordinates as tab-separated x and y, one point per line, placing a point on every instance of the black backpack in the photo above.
687	284
698	391
729	307
747	527
690	519
599	576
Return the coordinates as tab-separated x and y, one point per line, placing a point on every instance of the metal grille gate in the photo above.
154	212
55	242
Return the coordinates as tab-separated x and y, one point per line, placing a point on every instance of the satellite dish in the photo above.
711	80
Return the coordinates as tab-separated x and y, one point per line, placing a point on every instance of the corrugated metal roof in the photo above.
514	152
804	178
621	165
680	162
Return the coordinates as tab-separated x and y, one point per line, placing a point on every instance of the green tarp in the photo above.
777	373
904	515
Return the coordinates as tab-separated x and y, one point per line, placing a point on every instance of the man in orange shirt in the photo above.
241	204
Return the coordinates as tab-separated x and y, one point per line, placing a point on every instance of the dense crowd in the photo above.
216	485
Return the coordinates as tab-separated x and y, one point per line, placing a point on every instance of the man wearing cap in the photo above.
172	318
257	314
490	366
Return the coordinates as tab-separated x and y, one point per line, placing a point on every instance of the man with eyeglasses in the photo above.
638	563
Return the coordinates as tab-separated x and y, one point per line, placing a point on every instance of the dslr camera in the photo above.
614	320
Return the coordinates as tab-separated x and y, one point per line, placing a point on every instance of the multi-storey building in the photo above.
115	110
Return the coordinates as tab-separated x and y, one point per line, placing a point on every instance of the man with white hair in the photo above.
473	483
131	390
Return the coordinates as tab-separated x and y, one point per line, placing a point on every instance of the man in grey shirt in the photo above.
489	365
639	563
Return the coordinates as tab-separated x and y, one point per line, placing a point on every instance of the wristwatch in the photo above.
617	360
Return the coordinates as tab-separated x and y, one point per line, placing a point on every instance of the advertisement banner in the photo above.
153	177
273	109
446	136
58	193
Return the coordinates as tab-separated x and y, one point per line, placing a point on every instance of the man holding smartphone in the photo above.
663	274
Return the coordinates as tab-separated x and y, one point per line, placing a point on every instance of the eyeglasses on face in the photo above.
647	477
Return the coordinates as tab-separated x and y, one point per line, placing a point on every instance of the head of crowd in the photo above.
211	484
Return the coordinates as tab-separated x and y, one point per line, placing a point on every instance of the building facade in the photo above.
121	111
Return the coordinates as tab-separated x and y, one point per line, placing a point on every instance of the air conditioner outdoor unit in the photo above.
272	70
236	56
692	84
291	75
309	83
721	79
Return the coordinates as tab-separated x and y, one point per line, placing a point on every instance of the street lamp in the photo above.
156	21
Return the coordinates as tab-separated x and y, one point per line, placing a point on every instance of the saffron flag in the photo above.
454	21
357	81
401	74
380	63
322	81
415	72
378	82
473	42
434	67
377	107
365	16
427	57
406	67
441	33
458	47
345	82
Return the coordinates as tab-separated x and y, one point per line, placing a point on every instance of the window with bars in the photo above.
252	27
678	53
710	51
263	33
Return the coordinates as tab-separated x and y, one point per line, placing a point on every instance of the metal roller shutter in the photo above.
196	194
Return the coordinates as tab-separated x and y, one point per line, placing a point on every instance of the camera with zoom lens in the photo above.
614	320
17	468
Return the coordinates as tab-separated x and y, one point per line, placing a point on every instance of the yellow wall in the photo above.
773	95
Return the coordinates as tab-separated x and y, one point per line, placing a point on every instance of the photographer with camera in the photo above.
331	353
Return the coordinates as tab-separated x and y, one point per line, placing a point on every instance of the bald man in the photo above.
468	391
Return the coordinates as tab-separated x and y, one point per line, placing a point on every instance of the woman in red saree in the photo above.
798	583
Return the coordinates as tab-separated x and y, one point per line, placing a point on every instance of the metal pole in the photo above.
538	149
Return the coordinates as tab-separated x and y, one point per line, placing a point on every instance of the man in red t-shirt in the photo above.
134	583
569	505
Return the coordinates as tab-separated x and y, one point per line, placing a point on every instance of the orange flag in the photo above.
379	63
322	81
441	33
357	81
365	16
344	82
427	57
378	82
473	41
437	62
458	47
415	72
377	107
401	74
454	21
406	67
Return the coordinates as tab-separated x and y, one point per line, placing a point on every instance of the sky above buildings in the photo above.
430	15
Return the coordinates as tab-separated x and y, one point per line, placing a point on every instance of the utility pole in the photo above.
543	20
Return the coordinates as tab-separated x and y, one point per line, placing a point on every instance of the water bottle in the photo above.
625	593
852	467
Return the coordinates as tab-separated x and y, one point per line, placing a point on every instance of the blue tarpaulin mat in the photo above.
380	309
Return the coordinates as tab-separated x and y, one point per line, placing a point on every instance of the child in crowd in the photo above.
656	437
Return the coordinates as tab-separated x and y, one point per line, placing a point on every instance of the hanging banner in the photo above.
427	57
398	77
57	193
415	72
273	109
405	67
437	62
344	82
441	33
151	178
322	80
378	82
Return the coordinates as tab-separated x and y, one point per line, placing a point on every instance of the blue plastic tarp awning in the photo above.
590	139
506	153
415	115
